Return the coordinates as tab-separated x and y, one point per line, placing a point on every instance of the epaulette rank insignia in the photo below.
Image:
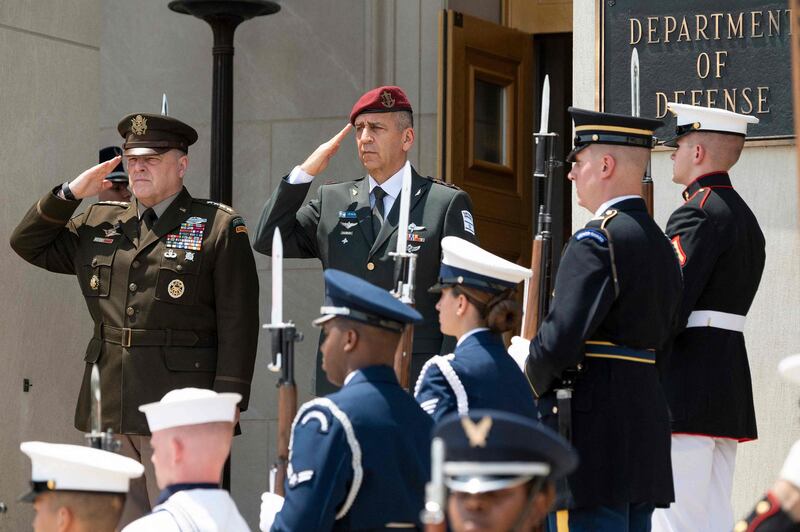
441	182
220	206
117	203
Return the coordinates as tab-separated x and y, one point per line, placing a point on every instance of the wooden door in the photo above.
486	126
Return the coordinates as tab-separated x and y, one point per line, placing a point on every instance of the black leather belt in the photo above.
127	337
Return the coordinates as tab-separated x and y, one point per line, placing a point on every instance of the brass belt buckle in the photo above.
126	337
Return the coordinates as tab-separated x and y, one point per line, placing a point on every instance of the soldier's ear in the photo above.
699	153
183	165
351	340
408	138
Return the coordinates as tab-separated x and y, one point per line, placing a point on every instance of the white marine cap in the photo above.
789	368
464	263
190	406
62	467
691	118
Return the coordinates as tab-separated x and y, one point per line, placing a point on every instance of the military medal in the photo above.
175	288
189	236
189	256
170	254
94	282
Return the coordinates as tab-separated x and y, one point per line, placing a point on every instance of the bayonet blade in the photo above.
635	109
545	114
164	105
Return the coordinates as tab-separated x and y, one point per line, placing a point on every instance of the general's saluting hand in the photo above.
92	181
318	161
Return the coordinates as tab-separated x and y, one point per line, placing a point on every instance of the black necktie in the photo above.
377	210
148	219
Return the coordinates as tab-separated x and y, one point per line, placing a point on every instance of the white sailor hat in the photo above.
190	406
691	118
464	263
62	467
789	368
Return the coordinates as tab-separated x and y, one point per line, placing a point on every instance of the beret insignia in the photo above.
387	100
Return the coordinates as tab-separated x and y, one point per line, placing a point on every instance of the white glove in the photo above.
271	504
519	350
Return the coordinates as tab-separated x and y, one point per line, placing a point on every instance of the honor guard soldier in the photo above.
779	509
118	177
358	458
500	470
170	282
476	306
76	489
192	432
592	362
352	225
721	251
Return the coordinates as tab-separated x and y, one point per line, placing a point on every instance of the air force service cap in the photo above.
695	118
387	99
149	134
62	467
350	297
489	450
118	175
464	263
190	406
592	127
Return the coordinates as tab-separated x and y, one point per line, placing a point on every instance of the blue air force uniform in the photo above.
358	458
616	296
479	373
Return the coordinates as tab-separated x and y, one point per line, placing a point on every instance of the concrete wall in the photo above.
766	178
48	126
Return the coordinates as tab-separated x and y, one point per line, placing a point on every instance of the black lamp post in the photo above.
223	16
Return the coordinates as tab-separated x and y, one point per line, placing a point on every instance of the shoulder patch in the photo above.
594	234
469	223
238	225
125	204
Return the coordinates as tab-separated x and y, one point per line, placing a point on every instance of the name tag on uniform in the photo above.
347	215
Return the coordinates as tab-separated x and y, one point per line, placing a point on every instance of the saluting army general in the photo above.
358	458
476	306
707	379
616	296
352	225
169	280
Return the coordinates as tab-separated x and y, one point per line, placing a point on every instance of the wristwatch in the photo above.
67	193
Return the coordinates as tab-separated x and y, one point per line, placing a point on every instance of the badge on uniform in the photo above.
103	240
413	233
348	225
347	215
469	223
189	236
175	288
594	234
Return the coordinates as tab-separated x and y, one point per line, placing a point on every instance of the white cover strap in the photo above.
716	319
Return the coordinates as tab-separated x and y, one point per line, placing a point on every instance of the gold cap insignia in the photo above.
696	125
175	288
477	432
386	99
138	125
94	282
51	484
595	137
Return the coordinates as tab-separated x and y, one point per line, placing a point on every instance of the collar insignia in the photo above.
477	432
138	125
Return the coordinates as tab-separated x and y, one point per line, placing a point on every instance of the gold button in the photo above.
179	267
741	526
762	507
130	311
555	410
135	264
579	367
132	287
197	364
370	266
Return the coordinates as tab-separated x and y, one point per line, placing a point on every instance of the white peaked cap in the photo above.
464	255
789	368
190	406
711	120
62	467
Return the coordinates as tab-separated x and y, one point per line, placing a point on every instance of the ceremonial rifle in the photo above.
284	335
405	268
98	439
538	289
433	516
636	110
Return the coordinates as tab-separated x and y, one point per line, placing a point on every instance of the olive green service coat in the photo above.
166	316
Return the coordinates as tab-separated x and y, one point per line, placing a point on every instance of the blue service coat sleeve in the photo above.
584	292
434	395
320	476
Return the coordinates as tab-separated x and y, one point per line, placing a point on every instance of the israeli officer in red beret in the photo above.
170	282
352	225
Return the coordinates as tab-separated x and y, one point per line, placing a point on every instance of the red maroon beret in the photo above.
381	100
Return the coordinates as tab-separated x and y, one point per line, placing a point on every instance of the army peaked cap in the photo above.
386	99
488	450
592	127
147	134
353	298
695	118
118	175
